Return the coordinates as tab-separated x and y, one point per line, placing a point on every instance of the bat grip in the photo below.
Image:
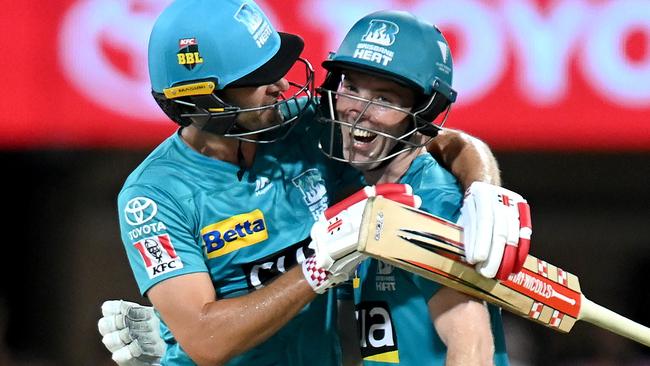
607	319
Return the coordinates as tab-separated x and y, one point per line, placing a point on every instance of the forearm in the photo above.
243	322
468	158
212	330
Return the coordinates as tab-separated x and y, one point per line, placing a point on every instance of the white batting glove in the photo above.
336	234
131	332
497	230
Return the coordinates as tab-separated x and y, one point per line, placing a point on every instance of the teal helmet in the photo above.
199	47
401	47
397	46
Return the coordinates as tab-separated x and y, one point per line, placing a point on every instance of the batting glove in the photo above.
336	234
497	230
131	332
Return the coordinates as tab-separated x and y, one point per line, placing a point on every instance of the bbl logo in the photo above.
381	32
188	54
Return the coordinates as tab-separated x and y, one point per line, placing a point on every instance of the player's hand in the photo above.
497	230
336	234
132	333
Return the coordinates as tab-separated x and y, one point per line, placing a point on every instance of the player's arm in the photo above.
213	330
468	158
463	324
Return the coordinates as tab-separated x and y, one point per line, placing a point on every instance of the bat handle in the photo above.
607	319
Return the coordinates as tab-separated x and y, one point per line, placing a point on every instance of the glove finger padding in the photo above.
509	257
497	230
496	242
525	233
111	323
384	189
116	340
480	213
469	227
131	332
127	353
115	307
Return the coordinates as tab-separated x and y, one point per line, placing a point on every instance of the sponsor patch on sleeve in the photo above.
158	255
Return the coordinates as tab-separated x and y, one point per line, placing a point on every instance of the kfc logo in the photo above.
158	255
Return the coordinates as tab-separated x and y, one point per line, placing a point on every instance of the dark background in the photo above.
62	254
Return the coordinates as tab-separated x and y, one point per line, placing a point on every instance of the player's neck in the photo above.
395	169
218	147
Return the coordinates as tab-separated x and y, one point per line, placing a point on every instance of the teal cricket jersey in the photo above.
182	212
391	304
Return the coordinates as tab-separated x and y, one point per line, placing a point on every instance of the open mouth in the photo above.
363	136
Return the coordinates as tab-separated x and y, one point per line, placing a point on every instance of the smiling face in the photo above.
377	111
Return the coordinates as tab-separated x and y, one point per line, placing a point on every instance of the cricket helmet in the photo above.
401	47
199	47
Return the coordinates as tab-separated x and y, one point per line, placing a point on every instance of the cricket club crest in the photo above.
188	53
250	17
312	186
381	32
255	23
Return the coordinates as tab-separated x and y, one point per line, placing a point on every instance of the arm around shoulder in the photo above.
212	330
468	158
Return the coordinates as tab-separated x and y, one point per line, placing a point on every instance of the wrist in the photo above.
316	276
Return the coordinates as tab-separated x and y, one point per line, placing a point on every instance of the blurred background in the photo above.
559	89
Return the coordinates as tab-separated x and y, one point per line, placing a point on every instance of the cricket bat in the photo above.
432	247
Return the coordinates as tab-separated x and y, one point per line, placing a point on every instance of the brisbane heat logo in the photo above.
381	32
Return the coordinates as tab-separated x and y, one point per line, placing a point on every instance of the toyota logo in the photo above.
140	210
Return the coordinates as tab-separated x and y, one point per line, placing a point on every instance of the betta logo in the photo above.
234	233
188	54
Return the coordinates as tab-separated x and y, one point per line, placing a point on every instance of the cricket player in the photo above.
382	112
216	221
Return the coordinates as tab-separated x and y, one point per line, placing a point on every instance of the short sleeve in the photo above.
157	235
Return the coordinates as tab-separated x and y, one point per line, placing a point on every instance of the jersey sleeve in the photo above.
157	234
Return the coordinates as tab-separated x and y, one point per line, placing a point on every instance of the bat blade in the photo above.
432	247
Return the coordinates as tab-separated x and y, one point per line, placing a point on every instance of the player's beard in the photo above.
260	119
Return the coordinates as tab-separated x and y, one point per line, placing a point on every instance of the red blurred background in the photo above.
534	75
